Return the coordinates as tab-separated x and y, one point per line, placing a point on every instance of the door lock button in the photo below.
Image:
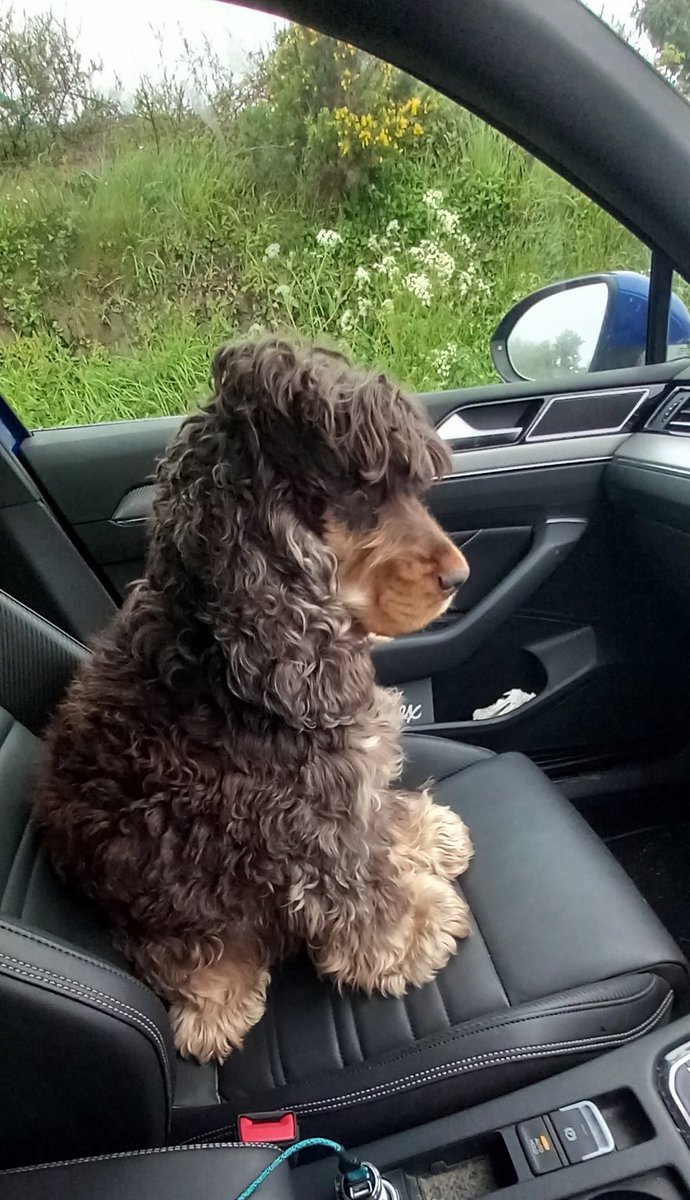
539	1146
582	1131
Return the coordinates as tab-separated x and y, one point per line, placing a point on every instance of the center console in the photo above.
616	1128
618	1125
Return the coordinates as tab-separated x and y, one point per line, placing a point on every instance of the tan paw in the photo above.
451	848
439	918
203	1032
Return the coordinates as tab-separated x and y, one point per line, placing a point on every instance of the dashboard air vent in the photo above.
679	420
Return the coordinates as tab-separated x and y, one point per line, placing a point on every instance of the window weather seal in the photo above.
660	280
12	431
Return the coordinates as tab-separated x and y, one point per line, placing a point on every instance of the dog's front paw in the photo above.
434	838
450	847
438	918
202	1033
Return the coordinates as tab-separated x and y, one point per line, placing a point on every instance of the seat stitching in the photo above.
93	962
77	983
222	1129
491	1058
41	975
458	1034
84	992
555	1011
182	1148
115	1007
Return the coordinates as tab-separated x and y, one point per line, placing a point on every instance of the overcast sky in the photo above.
124	34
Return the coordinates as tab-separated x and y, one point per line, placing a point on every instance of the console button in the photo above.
582	1131
538	1144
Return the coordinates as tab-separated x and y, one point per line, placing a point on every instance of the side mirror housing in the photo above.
592	323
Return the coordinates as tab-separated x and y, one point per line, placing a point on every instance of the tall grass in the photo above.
123	266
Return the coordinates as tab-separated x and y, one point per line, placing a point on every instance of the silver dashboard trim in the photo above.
535	455
534	466
680	1062
641	393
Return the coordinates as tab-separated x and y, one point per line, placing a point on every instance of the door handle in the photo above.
459	433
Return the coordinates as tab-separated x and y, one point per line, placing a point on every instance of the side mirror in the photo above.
593	323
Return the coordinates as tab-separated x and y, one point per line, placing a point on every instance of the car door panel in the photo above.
523	509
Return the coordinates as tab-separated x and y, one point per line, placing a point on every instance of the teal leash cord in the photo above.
286	1154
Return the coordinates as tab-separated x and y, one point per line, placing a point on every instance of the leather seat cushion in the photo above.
565	961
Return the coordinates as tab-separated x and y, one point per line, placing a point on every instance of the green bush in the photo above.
328	193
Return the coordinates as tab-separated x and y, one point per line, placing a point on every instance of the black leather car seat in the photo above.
566	961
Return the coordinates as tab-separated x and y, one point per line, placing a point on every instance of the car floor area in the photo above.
657	858
647	828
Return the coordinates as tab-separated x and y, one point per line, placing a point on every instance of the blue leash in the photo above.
286	1154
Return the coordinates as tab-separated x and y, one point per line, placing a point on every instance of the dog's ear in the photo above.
247	583
387	435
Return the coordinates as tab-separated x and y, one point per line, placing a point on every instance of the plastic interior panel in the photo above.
655	1147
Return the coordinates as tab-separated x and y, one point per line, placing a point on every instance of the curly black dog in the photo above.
221	776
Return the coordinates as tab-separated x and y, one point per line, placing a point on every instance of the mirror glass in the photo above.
558	335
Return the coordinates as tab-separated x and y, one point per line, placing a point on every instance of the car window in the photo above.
174	175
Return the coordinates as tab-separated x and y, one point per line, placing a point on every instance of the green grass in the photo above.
119	276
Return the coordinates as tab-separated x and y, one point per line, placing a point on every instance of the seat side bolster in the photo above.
89	1038
37	661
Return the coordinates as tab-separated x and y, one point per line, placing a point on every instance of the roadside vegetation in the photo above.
324	192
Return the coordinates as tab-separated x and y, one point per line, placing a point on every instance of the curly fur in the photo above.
221	775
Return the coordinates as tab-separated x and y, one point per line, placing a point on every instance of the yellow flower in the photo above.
417	129
413	105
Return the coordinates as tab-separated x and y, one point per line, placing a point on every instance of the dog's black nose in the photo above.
454	579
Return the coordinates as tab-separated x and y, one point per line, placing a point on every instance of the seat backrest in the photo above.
86	1060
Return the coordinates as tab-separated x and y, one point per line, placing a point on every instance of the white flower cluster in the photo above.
272	251
329	238
362	277
444	361
387	266
468	280
419	285
447	219
432	198
430	255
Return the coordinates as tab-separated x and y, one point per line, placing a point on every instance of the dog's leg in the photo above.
436	838
386	935
216	1006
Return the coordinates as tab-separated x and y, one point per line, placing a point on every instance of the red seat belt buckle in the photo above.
280	1127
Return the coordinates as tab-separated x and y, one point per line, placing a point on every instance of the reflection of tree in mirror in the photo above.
548	359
